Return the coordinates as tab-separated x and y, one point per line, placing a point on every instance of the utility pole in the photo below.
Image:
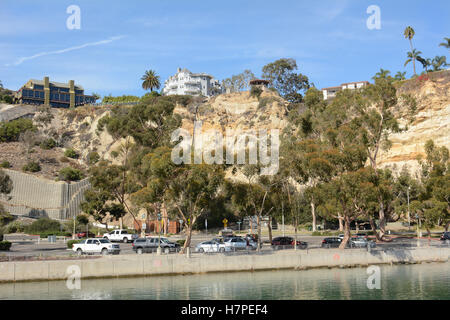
158	251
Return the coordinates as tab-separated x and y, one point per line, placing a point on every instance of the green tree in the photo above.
400	76
382	74
413	56
446	43
283	78
150	80
409	34
238	82
439	62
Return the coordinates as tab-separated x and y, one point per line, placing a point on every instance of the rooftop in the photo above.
56	84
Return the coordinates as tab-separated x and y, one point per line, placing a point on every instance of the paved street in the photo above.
29	247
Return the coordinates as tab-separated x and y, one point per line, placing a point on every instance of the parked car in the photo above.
361	242
332	242
236	243
445	236
145	245
287	243
120	235
92	245
210	246
84	235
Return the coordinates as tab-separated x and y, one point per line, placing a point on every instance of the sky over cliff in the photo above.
107	45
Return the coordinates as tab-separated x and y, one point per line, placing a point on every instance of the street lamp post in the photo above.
239	226
158	251
409	218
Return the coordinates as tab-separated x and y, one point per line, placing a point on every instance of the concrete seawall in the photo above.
152	265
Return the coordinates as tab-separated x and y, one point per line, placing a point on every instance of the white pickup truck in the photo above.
120	235
92	245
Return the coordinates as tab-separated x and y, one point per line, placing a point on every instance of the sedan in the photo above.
361	242
210	246
332	242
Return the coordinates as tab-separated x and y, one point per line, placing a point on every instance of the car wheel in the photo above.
125	240
139	251
104	251
79	252
222	250
166	250
201	250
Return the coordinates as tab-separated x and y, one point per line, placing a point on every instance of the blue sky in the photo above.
119	40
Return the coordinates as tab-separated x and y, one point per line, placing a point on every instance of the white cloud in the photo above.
89	44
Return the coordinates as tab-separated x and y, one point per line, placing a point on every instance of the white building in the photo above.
185	82
330	92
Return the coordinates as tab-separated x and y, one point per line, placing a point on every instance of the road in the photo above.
27	247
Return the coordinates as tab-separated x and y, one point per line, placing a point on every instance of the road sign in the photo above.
144	226
225	221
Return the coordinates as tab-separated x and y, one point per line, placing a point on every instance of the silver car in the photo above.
361	242
234	244
210	246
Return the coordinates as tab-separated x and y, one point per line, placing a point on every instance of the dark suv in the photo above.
287	243
142	245
332	242
445	236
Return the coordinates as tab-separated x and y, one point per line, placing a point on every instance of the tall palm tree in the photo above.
412	56
439	62
409	34
446	43
151	80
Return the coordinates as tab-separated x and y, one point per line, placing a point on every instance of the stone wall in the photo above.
37	197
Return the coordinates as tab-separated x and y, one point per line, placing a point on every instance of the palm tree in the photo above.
1	84
400	76
151	80
409	34
381	74
439	62
412	56
425	62
446	43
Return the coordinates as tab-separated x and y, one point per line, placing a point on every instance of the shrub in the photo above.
93	157
181	242
70	153
5	164
70	243
5	217
255	91
15	226
43	225
70	174
10	131
48	144
5	245
45	234
32	167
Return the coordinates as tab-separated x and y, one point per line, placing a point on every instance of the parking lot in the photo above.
29	247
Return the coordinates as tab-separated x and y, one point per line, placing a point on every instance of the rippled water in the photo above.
424	281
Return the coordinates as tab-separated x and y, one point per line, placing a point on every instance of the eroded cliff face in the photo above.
240	112
432	121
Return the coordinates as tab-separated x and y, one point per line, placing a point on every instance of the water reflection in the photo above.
426	281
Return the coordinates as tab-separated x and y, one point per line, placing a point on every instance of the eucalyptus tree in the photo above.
282	76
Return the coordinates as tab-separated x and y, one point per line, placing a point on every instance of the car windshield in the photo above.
164	240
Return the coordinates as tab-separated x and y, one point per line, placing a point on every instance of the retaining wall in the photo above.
38	197
150	264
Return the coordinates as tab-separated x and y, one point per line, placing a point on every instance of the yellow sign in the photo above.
225	221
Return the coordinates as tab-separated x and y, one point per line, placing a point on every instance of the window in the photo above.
90	242
36	94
